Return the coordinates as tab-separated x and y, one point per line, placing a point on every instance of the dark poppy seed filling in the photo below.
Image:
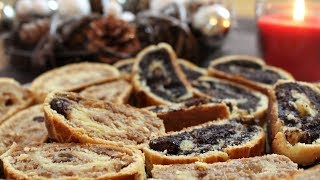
211	138
126	67
185	104
157	71
191	74
221	90
249	70
62	106
298	109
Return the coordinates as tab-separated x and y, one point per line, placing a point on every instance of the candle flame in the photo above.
299	10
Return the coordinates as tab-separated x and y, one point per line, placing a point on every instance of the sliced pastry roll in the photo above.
193	112
73	77
248	70
125	67
73	161
13	98
72	118
211	142
308	174
260	167
191	71
249	101
24	128
294	120
158	79
117	91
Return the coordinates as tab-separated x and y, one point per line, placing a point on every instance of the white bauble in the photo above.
74	7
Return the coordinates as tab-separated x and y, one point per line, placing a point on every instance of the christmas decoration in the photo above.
113	38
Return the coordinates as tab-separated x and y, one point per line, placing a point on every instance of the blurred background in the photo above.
37	35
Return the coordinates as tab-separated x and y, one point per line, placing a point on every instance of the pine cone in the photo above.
113	38
31	32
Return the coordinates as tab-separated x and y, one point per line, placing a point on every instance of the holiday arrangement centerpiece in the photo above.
49	33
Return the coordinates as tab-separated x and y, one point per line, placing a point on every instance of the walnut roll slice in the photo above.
73	161
72	118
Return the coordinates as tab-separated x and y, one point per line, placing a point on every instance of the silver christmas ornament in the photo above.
7	14
211	24
134	6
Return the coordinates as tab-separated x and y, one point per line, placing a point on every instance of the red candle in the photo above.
292	43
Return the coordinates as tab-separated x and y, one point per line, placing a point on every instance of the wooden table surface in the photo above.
240	40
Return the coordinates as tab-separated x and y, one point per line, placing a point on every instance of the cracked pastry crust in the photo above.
294	121
211	142
248	70
261	167
72	77
125	67
158	79
191	71
117	91
23	128
249	101
72	118
190	113
73	161
13	98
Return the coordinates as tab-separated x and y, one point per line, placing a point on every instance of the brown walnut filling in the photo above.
159	74
219	90
202	140
298	109
249	70
38	119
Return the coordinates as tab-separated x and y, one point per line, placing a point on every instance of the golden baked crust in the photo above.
23	128
72	77
117	91
260	167
13	98
72	118
264	88
191	113
73	161
251	146
214	88
285	140
125	68
158	67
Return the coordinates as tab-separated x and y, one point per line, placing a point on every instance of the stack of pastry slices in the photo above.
157	116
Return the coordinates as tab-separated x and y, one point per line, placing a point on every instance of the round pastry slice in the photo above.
13	98
193	112
72	118
191	71
73	161
261	167
211	142
309	174
248	70
249	101
294	118
116	91
73	77
158	79
23	128
125	67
